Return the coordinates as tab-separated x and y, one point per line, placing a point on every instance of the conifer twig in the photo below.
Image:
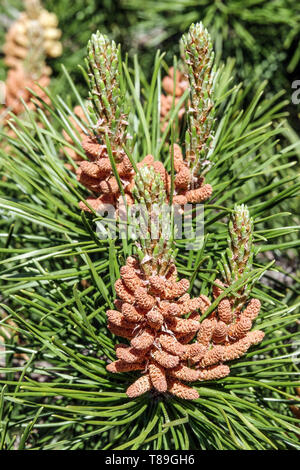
237	262
198	56
106	95
155	240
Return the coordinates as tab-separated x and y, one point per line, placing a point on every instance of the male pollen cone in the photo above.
97	175
226	334
150	313
187	188
16	84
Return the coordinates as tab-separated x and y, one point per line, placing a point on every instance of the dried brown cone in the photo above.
146	313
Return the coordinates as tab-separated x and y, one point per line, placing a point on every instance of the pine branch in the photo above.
57	276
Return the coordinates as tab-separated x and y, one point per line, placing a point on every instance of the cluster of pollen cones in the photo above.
160	319
188	188
17	42
17	83
30	39
174	87
97	175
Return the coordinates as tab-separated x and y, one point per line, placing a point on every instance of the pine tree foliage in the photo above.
262	36
57	281
77	20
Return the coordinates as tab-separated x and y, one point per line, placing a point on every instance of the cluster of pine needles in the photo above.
59	279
